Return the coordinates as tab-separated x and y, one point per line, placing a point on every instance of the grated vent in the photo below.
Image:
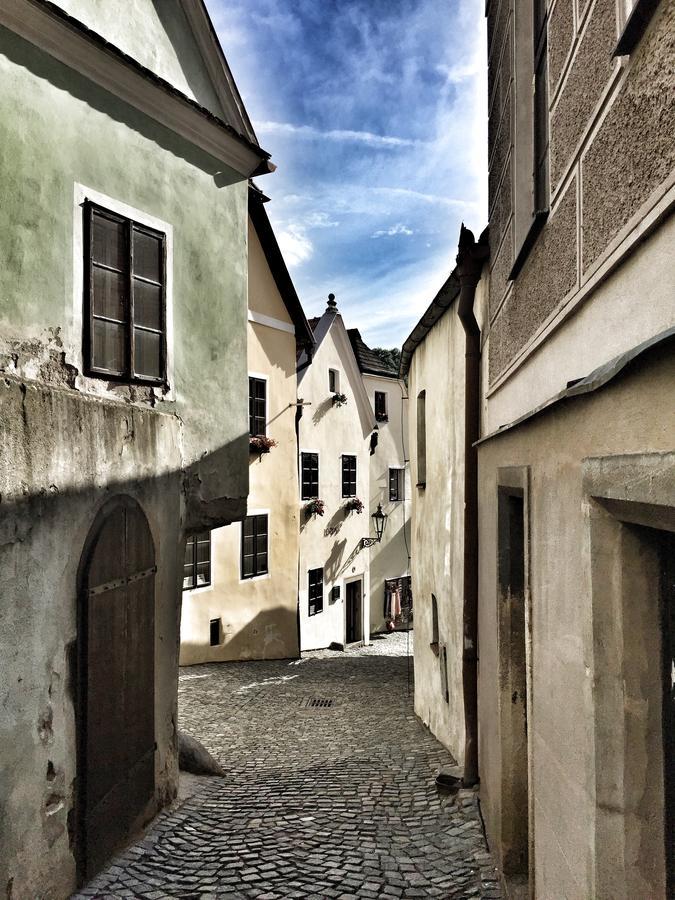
316	703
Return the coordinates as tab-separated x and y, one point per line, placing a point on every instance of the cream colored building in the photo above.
390	593
240	597
567	538
335	436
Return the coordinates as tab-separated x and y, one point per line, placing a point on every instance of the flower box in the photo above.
314	508
259	443
354	505
339	399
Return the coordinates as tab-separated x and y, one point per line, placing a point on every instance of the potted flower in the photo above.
381	416
314	508
354	505
260	443
339	399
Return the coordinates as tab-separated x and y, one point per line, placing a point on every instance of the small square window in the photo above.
381	413
396	484
315	591
197	562
125	298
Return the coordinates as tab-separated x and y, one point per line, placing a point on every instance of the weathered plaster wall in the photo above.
567	717
437	526
106	147
70	442
259	615
330	541
388	559
611	171
156	33
62	456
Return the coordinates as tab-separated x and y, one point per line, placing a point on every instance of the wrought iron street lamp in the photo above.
380	520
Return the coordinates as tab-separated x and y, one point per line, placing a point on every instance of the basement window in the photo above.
125	298
214	632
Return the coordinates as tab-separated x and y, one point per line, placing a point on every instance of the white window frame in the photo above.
81	194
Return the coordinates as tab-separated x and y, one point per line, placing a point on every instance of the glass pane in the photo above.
147	349
203	573
189	551
203	552
147	256
187	581
261	543
261	524
248	545
108	346
109	294
147	304
247	566
109	242
262	563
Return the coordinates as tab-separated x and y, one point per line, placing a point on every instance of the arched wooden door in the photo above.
116	636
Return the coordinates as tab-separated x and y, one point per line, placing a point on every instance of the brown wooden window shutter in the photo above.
125	298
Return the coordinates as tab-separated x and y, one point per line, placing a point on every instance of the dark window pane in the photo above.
203	573
109	242
108	350
147	304
147	256
203	551
189	551
110	294
147	350
247	567
261	543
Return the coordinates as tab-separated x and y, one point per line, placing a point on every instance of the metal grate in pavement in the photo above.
316	702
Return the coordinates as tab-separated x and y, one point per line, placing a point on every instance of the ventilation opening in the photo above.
316	703
214	632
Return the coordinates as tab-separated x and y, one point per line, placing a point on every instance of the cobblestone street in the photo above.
334	801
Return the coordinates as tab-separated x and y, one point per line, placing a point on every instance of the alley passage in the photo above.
330	801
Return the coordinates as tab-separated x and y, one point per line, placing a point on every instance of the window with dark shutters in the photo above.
197	562
309	475
348	476
257	406
125	298
381	406
396	484
315	591
254	551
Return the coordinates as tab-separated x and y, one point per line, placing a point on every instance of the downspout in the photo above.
470	258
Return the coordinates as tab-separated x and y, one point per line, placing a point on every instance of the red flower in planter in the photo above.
259	443
314	508
354	505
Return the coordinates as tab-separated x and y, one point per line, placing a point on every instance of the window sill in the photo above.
421	485
538	222
636	26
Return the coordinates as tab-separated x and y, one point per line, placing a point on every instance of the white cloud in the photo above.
295	245
336	134
320	220
399	228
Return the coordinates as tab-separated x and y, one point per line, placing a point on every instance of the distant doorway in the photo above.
116	692
354	626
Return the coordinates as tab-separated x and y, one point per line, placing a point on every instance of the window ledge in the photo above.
538	222
636	26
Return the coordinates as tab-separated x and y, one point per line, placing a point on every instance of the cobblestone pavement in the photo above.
336	801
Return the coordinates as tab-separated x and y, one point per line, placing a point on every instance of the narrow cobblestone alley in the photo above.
333	801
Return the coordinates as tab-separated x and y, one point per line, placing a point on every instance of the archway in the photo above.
116	693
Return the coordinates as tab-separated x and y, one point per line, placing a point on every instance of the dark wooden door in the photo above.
354	631
668	714
117	694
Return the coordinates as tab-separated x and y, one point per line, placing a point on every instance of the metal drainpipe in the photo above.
470	258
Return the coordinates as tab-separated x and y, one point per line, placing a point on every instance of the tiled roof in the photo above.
368	362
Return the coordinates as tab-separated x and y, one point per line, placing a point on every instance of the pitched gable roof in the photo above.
368	362
277	266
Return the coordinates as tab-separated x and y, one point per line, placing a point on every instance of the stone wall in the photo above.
611	163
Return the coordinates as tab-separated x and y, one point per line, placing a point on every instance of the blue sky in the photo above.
374	112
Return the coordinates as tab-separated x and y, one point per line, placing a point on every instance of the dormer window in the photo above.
334	381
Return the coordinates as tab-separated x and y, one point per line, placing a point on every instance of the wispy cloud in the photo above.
295	245
309	132
400	228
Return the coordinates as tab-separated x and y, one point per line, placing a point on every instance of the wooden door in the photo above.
353	629
116	637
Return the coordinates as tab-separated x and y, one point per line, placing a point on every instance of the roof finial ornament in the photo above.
331	303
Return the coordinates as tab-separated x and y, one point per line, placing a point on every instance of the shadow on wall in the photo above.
331	568
271	634
322	409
